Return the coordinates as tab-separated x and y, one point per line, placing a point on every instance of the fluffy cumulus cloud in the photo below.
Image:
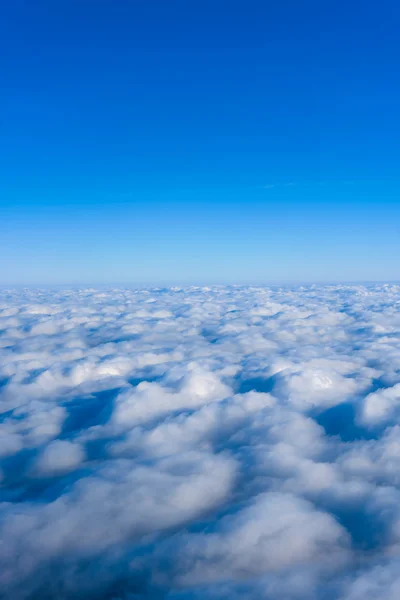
200	443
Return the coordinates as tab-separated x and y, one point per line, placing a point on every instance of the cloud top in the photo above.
200	443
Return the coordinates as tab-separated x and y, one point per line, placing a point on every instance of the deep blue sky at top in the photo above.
210	141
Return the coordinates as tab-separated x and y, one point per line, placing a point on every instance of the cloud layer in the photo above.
200	443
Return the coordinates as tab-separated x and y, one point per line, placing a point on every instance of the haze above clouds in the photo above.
200	443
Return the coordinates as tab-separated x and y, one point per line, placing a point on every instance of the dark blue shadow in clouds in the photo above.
4	381
5	415
134	381
340	420
85	412
211	335
257	384
366	531
41	489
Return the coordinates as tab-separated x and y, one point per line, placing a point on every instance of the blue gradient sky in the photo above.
213	141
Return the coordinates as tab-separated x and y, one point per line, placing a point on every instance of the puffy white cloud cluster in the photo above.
200	443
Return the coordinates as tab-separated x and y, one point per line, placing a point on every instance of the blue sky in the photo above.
223	141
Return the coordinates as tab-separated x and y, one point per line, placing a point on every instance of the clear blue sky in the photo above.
162	141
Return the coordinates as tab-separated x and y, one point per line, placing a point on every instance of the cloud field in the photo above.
217	443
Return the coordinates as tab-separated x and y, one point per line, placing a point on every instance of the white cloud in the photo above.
200	443
275	532
59	457
379	407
